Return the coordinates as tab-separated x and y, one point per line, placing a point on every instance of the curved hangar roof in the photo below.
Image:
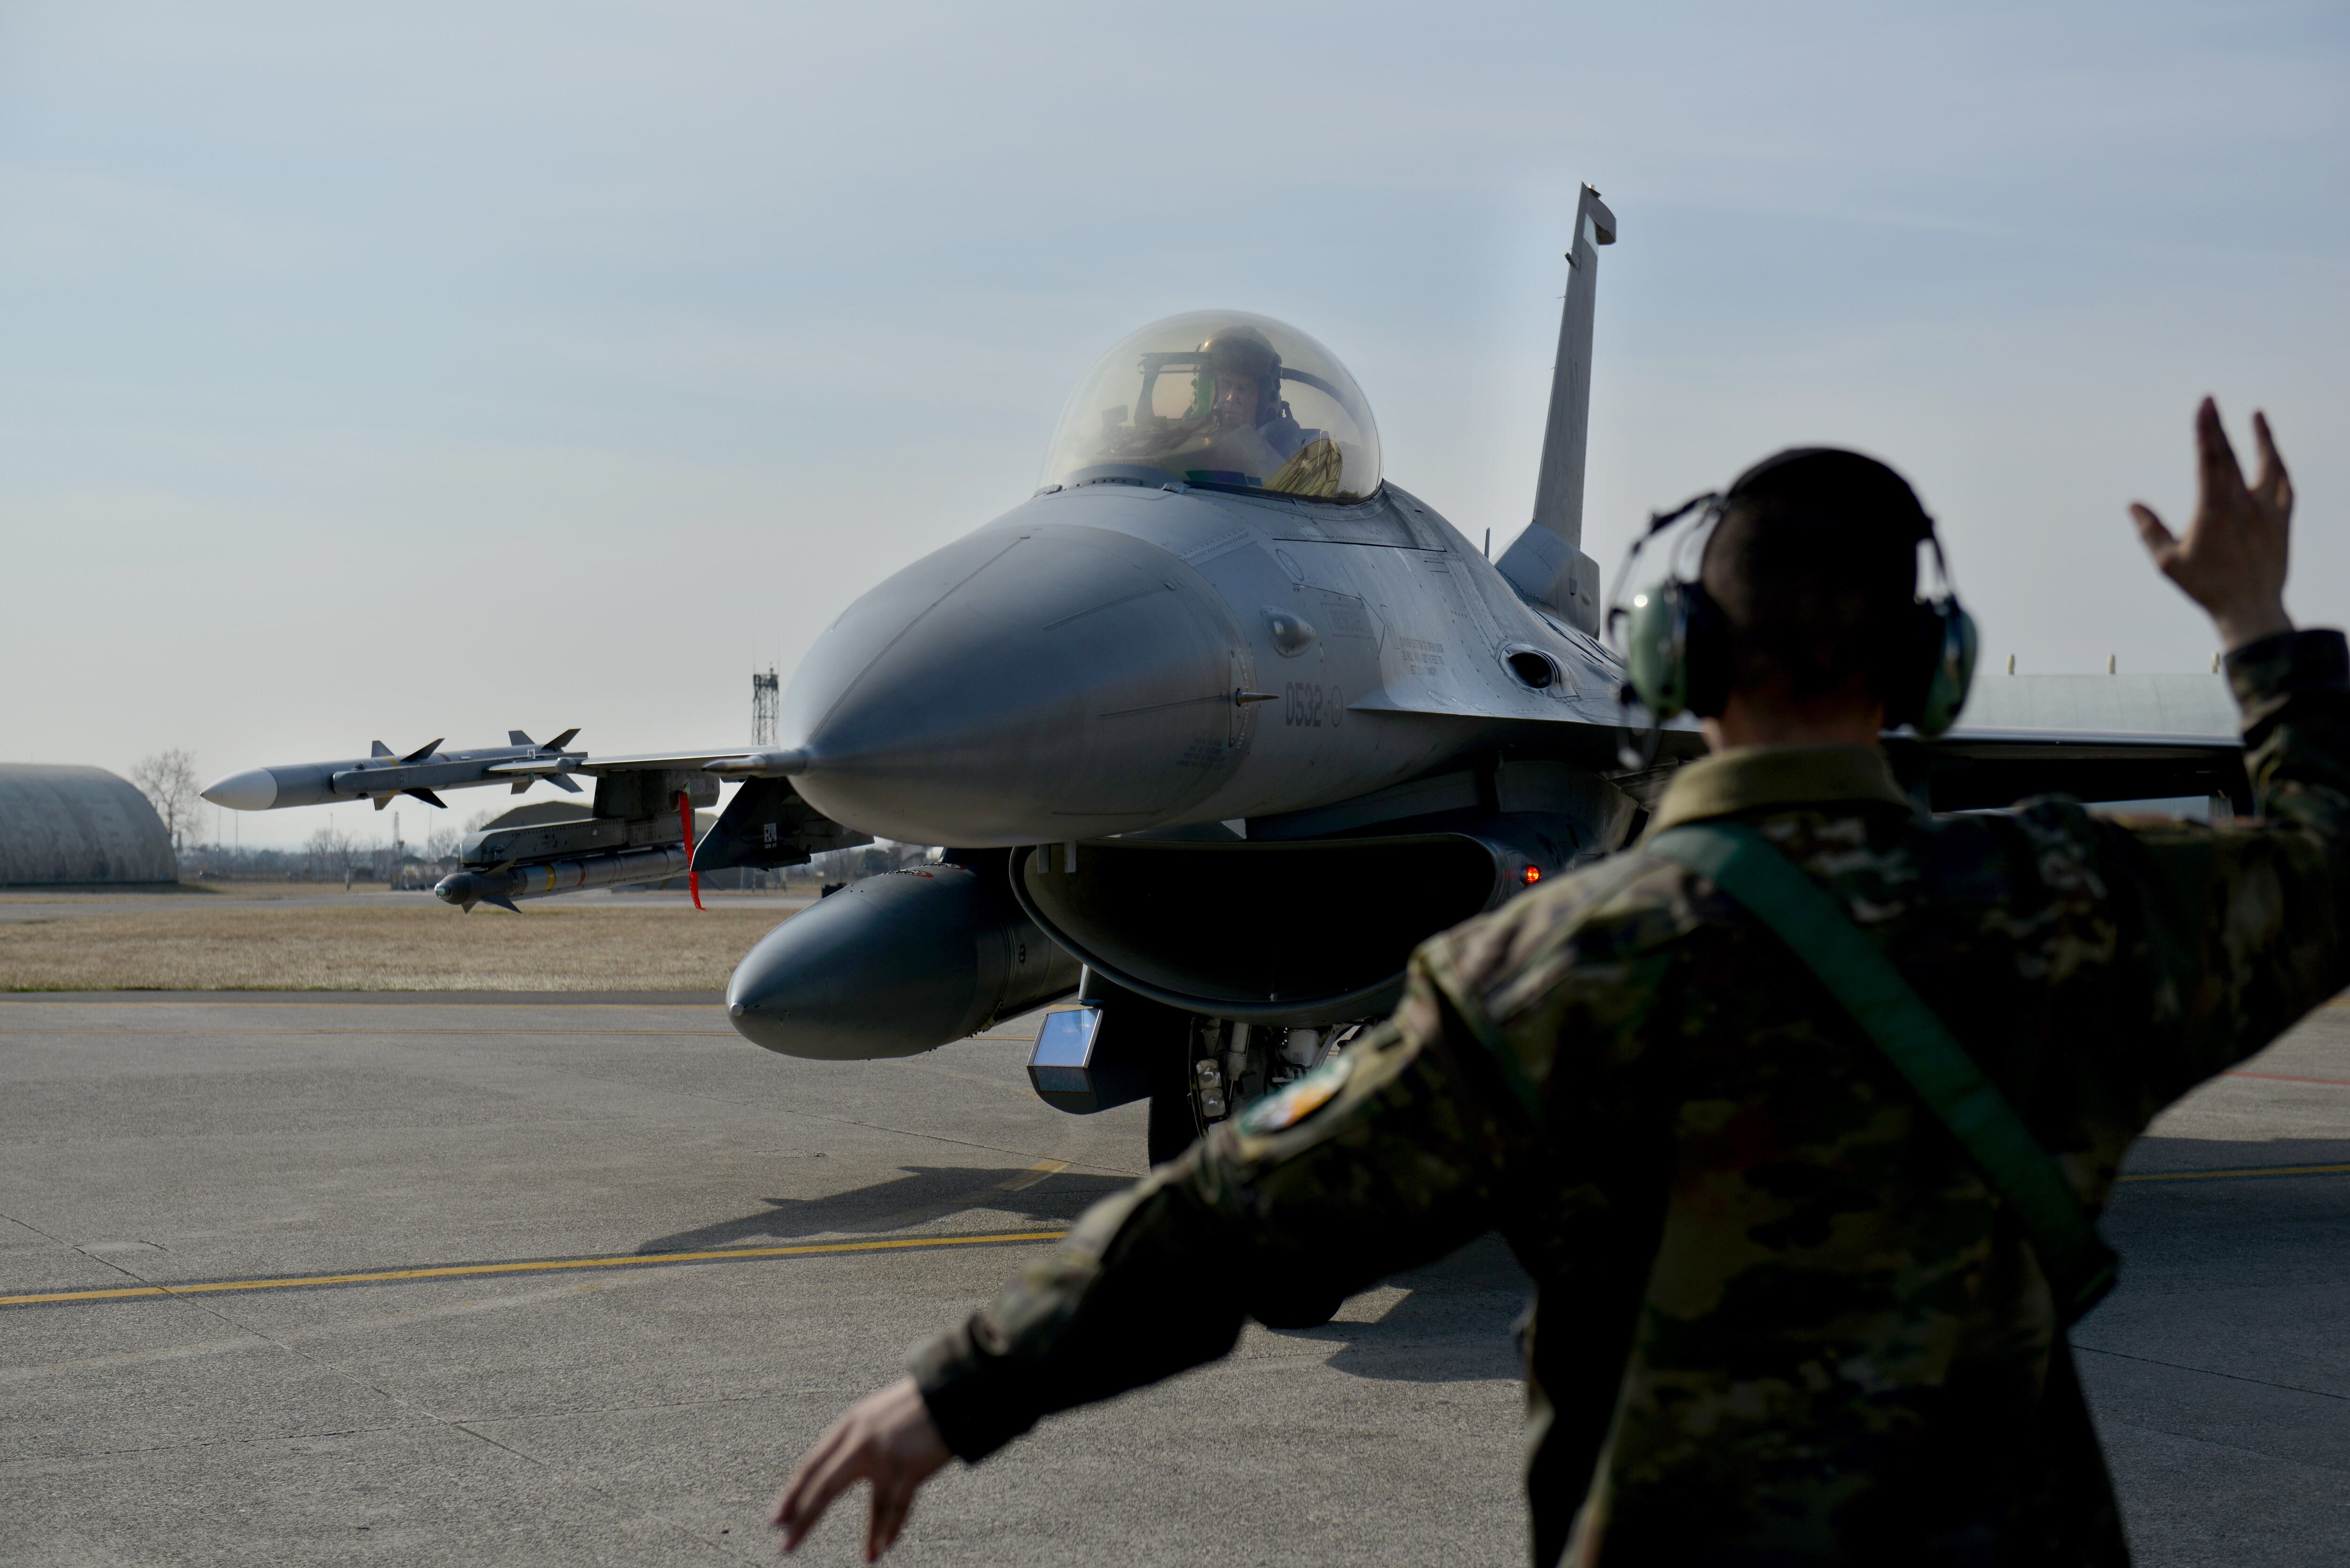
63	824
1221	398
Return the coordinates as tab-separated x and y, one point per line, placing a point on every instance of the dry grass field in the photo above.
254	940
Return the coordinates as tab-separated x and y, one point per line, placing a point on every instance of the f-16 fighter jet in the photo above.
1216	727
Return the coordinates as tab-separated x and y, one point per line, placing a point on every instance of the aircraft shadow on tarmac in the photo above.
1455	1320
2157	1155
1456	1323
919	1195
1453	1324
2281	1212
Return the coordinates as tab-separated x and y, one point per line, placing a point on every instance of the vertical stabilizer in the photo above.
1546	563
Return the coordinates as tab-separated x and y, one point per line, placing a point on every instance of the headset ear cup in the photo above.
1905	678
1705	652
1655	627
1953	671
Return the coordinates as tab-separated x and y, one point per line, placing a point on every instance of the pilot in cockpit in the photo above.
1214	398
1249	431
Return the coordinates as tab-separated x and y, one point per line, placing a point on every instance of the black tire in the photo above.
1174	1126
1299	1312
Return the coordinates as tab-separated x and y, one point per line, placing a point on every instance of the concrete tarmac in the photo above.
519	1362
19	905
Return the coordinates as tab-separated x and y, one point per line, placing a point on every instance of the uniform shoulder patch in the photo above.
1292	1105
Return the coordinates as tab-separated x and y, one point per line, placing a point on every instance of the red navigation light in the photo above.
1530	875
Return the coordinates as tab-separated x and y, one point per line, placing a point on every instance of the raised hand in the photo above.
887	1439
2233	561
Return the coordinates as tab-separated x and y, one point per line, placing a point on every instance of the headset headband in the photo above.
1675	650
1843	468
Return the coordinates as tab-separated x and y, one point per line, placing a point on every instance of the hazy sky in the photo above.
430	370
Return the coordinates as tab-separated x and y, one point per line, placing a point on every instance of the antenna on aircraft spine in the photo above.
1546	563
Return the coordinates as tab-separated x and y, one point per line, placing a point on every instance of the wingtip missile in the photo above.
381	777
256	789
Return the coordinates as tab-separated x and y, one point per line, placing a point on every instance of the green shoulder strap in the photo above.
1742	864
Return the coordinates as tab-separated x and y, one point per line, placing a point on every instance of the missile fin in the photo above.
564	739
424	751
563	782
503	902
383	799
515	737
519	786
426	796
378	749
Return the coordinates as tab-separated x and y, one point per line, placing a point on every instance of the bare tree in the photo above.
330	850
168	780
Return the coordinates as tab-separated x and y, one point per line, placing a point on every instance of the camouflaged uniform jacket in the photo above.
1780	1318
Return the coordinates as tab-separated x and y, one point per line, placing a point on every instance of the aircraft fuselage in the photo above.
1117	655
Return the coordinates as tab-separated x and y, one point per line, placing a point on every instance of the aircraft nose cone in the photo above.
1022	686
256	789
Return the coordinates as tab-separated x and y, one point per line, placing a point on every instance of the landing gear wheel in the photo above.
1174	1124
1305	1312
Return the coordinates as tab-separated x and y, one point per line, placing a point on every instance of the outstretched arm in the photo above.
2247	928
1384	1159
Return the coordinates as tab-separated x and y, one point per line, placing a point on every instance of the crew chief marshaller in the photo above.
1783	1316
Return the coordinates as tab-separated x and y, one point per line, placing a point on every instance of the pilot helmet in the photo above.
1241	350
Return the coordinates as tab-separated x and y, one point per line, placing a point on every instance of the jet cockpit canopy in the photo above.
1221	398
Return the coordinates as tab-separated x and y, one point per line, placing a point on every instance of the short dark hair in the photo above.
1814	564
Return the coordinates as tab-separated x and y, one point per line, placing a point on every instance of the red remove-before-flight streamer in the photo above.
685	816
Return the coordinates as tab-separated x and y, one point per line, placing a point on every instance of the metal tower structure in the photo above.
764	691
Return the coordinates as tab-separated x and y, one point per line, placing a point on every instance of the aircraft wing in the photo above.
733	762
430	768
1981	769
637	829
2098	737
2093	737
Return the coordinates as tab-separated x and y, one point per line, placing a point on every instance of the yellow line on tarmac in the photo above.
733	1254
2254	1170
455	1271
257	1034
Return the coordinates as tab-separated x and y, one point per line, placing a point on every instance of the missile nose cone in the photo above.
461	888
1021	686
256	789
